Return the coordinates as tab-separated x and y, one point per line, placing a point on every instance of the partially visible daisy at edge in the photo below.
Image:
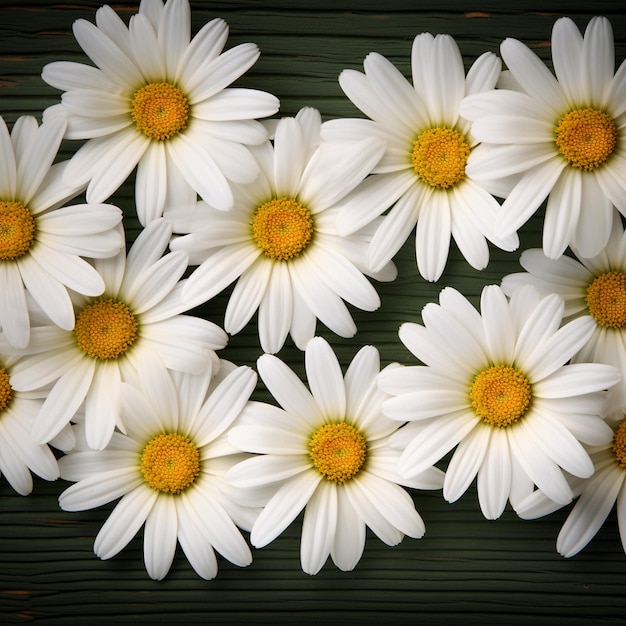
42	241
598	495
139	312
497	388
327	451
168	469
158	99
595	287
279	240
422	175
19	454
563	136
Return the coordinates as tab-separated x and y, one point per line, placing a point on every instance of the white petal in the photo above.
494	476
466	461
14	317
124	522
102	405
283	508
63	401
590	512
432	240
288	390
318	528
325	378
349	540
275	311
159	538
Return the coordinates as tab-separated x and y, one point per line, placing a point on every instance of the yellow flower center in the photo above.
619	444
606	300
586	138
282	228
170	463
6	391
159	110
17	230
500	395
439	157
105	329
337	451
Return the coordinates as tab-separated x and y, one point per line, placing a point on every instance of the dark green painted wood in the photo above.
466	569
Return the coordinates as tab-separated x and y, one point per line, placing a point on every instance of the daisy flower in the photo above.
139	312
563	136
168	470
41	240
422	172
326	451
158	99
593	287
19	454
496	385
279	240
598	495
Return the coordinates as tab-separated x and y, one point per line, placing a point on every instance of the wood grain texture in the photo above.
465	569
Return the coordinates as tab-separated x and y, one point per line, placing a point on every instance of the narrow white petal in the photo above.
99	489
102	405
318	528
159	538
497	324
14	317
276	308
530	71
349	540
325	378
577	379
8	166
283	508
494	476
436	440
151	183
527	195
466	461
432	240
251	288
124	522
288	390
288	157
63	401
590	512
217	272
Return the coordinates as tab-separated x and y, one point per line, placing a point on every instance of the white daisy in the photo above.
41	240
563	136
159	99
326	451
422	173
19	454
280	243
137	313
494	385
598	495
168	469
595	287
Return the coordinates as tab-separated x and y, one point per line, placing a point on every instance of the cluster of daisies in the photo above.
102	362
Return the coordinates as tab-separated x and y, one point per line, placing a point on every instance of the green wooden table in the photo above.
465	569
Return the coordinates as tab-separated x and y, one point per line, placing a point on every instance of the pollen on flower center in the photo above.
170	463
159	110
17	230
500	395
439	157
105	329
606	299
6	391
586	137
282	228
337	451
